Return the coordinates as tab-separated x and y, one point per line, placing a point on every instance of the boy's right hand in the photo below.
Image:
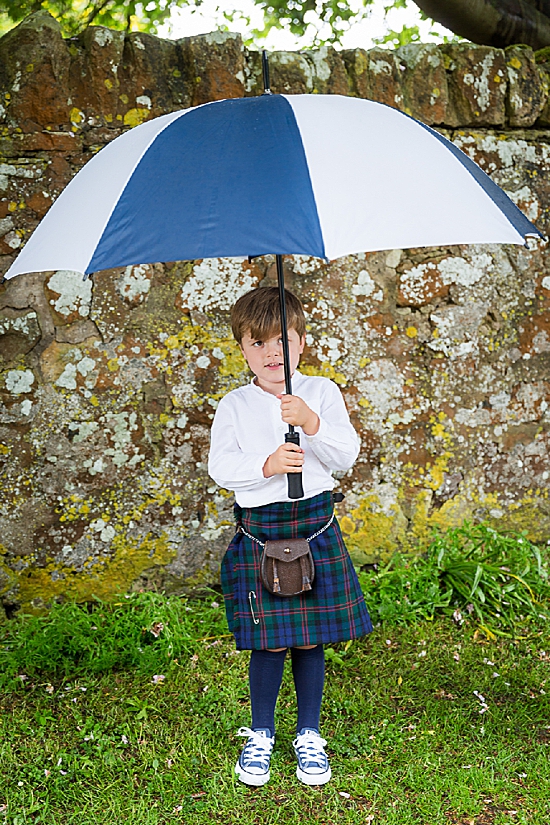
288	458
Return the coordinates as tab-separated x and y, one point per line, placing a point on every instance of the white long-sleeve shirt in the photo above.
248	427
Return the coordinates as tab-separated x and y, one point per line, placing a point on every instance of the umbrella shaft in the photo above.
284	329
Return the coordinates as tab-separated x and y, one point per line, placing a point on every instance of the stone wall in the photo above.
108	387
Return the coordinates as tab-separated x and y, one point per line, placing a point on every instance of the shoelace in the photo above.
257	749
309	747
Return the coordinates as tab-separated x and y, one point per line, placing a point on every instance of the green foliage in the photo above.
500	581
335	15
328	19
76	15
408	34
144	631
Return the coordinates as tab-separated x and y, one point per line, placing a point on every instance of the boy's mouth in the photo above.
274	365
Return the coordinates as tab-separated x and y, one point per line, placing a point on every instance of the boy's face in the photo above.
265	359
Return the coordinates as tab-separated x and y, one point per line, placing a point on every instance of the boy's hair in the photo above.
259	314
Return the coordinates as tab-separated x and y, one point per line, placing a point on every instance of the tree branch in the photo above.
497	23
97	10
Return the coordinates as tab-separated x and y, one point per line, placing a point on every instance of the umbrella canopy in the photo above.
320	175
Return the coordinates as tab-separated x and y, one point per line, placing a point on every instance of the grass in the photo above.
431	721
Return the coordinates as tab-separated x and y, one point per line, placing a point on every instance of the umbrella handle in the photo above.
295	488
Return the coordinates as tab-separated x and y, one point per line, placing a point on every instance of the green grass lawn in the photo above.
426	723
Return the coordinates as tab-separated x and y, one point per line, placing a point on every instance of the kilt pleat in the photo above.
333	611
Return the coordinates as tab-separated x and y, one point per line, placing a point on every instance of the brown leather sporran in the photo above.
287	567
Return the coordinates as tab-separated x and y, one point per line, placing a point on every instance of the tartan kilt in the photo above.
333	611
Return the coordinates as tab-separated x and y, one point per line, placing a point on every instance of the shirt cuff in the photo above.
320	432
259	469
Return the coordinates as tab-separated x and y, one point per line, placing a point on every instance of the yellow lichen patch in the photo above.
182	346
524	516
420	527
514	63
451	514
4	449
347	525
370	533
76	116
425	518
327	370
438	428
411	332
7	576
172	342
108	83
233	364
134	117
103	580
437	471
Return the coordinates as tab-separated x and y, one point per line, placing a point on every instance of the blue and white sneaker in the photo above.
253	765
313	767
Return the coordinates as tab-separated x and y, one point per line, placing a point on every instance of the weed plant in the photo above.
141	631
500	580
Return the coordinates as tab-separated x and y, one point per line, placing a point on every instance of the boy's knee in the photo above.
276	649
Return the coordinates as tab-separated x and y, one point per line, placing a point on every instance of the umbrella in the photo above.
317	175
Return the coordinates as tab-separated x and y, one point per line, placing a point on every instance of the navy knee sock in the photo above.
265	675
308	669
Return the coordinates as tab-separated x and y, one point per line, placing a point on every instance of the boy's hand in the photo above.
288	458
295	411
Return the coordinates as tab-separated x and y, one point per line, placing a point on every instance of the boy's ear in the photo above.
302	343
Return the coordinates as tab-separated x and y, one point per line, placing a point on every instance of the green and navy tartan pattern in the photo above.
333	611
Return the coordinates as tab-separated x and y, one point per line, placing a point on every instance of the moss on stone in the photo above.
37	589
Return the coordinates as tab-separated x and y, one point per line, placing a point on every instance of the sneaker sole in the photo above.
255	779
313	778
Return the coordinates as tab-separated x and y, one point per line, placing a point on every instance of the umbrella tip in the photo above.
265	73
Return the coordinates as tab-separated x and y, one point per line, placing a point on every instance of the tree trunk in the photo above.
497	23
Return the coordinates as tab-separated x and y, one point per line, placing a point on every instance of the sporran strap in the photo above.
314	536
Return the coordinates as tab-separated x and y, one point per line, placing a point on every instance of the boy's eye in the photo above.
257	343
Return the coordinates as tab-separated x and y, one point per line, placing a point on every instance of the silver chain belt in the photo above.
314	536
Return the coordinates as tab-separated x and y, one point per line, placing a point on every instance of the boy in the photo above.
247	456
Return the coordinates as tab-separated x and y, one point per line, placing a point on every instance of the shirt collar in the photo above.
296	379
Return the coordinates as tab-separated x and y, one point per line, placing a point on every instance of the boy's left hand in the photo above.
296	412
